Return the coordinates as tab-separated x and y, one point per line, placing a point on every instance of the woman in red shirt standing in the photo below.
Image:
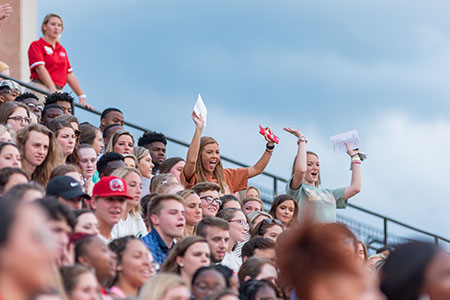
49	64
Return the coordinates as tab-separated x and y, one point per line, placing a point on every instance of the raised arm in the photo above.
355	185
192	154
75	85
261	164
300	159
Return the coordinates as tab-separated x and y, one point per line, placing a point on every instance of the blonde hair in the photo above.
253	199
54	156
5	128
140	152
113	140
218	171
122	173
133	157
155	288
47	19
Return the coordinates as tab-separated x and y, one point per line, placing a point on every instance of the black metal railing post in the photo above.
385	229
275	187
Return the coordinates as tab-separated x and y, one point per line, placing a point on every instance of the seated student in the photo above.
109	131
108	163
259	269
166	216
68	191
268	228
238	231
61	223
10	177
88	163
173	165
26	262
230	201
121	142
25	192
206	281
14	114
9	91
131	222
39	152
62	99
216	231
156	144
130	160
80	283
259	246
109	117
250	204
92	252
86	222
91	135
203	163
66	139
193	210
108	202
209	194
32	101
145	166
187	256
134	267
51	112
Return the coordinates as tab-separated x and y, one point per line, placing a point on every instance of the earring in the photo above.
119	268
181	265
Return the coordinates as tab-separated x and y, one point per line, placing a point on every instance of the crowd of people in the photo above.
90	212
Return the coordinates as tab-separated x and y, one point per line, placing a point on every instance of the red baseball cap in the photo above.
111	186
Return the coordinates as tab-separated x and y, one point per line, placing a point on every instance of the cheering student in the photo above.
305	181
203	163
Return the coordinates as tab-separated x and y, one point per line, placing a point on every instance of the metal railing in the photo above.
276	179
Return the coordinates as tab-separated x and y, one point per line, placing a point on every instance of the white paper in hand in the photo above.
200	108
338	141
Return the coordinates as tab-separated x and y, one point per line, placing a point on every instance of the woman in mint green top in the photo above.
305	180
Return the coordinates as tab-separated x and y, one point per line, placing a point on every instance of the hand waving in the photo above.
296	132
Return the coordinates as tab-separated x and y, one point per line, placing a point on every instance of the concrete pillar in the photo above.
16	33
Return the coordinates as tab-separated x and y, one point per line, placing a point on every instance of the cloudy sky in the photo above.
326	66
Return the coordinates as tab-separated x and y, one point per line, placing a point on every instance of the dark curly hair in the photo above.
26	96
151	137
58	96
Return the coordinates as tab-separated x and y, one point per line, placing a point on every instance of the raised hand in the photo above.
297	132
350	152
198	120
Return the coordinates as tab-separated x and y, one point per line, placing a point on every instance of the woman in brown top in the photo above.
203	163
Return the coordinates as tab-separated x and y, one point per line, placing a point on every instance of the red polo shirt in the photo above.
55	61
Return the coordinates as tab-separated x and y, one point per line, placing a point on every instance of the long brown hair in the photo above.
54	156
180	248
218	171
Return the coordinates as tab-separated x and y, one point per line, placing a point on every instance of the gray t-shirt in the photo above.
322	202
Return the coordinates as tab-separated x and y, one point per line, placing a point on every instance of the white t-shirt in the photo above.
232	261
132	225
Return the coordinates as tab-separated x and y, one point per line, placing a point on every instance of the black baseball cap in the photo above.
66	187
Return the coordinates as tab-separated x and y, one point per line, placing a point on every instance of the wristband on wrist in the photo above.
269	151
356	162
356	158
82	96
302	139
268	147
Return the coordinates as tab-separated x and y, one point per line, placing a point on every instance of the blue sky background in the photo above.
381	67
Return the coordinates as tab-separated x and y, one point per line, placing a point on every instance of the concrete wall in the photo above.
16	34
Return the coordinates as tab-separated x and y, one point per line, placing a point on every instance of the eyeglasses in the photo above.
20	119
243	223
272	221
212	200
